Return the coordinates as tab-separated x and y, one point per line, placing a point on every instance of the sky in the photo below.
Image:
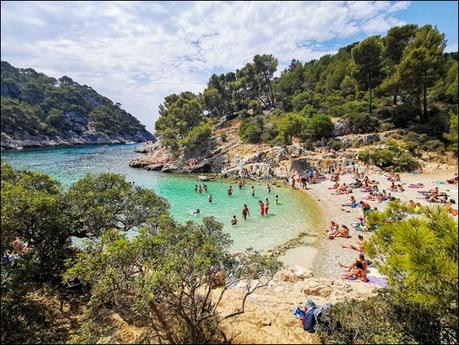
136	53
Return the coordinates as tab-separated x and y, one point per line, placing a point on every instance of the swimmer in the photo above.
200	189
195	187
245	212
197	212
269	188
277	199
210	197
230	191
266	206
234	220
253	191
240	184
205	187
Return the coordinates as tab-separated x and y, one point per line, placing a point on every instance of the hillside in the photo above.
403	84
38	110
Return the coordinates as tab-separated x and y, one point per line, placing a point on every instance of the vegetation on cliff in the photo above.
403	80
34	103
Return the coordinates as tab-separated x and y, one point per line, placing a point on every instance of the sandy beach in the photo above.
322	256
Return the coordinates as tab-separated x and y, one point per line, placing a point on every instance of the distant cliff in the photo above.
37	110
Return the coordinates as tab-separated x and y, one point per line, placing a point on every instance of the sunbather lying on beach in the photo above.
453	180
352	203
331	229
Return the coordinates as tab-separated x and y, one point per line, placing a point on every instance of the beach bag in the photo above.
309	320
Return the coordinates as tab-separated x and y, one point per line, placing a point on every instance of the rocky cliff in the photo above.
234	158
37	110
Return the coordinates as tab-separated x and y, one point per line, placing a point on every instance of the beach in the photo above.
321	255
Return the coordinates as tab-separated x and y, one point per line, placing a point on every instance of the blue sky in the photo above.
137	52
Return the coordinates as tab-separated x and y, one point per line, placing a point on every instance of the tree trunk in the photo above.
395	95
371	100
273	104
424	104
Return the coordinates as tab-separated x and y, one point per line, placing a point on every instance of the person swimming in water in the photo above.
269	188
195	187
200	189
277	199
205	187
234	220
245	212
240	184
197	212
210	197
253	191
230	191
262	207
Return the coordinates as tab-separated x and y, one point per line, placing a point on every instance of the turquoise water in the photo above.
295	212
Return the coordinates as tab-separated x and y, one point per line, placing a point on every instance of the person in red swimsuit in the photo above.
262	207
266	206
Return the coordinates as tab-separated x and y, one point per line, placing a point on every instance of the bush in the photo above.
320	126
361	122
335	144
378	320
223	137
349	107
197	136
250	133
390	158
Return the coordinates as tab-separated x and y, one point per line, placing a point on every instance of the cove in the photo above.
295	212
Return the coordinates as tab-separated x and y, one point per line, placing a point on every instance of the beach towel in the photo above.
381	281
416	185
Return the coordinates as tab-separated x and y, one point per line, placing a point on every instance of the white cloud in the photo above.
138	52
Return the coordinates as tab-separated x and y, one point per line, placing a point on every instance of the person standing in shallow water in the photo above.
253	191
277	199
266	206
210	197
262	207
230	191
234	220
245	212
195	187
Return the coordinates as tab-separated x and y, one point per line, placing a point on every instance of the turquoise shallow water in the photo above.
295	212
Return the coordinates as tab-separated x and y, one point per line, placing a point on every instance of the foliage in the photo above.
164	279
418	253
451	136
319	126
419	256
36	103
367	59
197	136
36	210
361	122
391	158
251	131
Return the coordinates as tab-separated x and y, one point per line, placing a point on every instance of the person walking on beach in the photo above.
262	207
245	212
253	191
266	206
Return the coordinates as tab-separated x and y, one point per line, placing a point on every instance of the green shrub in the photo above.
361	122
335	144
390	158
319	126
197	136
349	107
250	133
223	137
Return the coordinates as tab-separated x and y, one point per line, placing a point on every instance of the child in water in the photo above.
234	220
